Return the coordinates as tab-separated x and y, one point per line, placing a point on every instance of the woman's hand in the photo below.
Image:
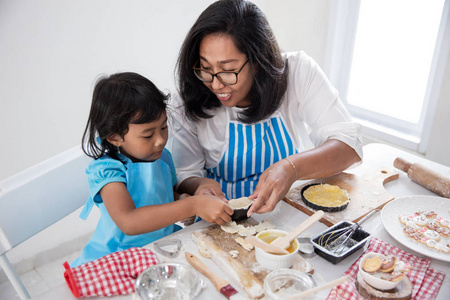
328	159
202	186
212	209
210	187
273	185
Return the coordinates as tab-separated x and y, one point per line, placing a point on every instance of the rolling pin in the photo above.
424	176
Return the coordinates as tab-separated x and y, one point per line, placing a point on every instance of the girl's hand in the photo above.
190	220
273	185
212	209
182	196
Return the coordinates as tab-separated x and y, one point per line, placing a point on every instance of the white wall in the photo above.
52	51
300	25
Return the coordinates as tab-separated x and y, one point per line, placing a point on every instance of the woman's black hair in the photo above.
117	101
247	26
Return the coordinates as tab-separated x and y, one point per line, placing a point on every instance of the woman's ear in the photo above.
255	69
115	140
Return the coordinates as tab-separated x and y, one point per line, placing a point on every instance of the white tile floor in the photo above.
39	260
40	279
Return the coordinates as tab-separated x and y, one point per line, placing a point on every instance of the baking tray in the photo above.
319	207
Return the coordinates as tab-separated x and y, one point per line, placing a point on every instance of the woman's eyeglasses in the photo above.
225	77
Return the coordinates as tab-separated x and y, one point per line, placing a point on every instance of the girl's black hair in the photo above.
118	100
247	26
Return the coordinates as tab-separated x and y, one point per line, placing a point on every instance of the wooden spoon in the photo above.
321	287
269	248
284	241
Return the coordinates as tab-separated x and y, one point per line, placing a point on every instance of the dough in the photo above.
326	195
244	244
233	227
240	203
246	231
264	225
203	250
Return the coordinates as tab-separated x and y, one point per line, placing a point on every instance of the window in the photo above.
387	58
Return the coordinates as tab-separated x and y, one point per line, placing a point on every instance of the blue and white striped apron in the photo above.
251	150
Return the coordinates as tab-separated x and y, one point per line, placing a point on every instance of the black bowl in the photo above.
240	213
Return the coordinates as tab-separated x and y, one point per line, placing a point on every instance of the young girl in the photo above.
132	176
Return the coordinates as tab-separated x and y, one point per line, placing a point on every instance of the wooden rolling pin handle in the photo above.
424	176
402	164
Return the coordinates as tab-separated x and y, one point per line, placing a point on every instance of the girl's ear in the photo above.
115	140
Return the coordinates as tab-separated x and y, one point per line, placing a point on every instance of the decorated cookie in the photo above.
403	266
397	276
412	233
443	222
442	248
428	214
431	234
413	225
388	264
429	243
433	225
405	218
420	220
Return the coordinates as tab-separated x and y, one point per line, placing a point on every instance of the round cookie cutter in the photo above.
305	247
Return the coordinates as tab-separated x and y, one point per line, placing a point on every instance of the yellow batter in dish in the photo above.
326	195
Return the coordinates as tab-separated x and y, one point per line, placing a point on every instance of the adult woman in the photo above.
250	111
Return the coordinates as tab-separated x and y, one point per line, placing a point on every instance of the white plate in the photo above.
408	206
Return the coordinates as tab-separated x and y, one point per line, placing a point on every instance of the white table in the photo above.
286	217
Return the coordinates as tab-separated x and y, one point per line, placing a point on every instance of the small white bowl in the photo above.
376	282
275	261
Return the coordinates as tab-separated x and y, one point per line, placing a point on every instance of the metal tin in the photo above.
319	207
359	238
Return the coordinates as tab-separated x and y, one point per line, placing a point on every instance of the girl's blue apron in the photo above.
148	184
251	150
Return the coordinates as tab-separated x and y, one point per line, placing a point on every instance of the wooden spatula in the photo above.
284	241
319	288
269	248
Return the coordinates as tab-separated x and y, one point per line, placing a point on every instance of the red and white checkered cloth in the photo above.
426	281
111	275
